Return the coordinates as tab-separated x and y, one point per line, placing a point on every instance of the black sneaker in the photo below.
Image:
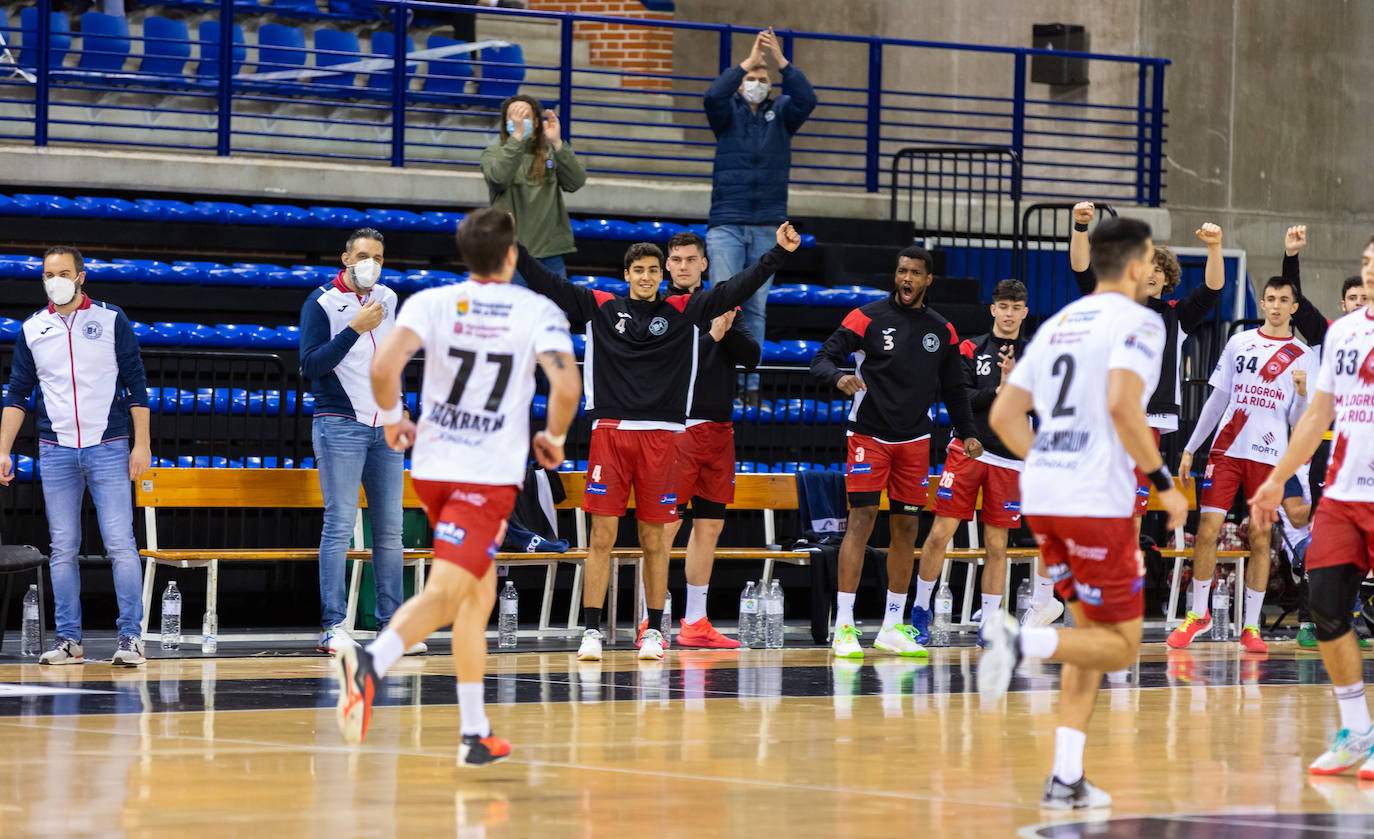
1076	796
480	751
357	687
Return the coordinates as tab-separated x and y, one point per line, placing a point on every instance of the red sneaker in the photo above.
481	751
1183	636
643	625
1252	642
702	634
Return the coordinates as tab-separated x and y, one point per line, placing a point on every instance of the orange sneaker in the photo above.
702	634
639	639
1183	636
475	750
1252	642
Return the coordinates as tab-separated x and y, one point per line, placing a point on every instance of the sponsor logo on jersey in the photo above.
668	498
925	482
860	468
1092	595
451	533
596	489
1059	571
1279	362
1142	491
658	326
1268	438
462	305
944	492
931	342
1062	441
1085	552
93	331
1011	505
1134	344
1137	584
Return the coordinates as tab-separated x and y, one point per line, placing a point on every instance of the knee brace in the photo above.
865	499
703	508
1330	597
903	508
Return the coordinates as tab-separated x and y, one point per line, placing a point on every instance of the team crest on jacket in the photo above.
93	331
658	326
931	342
462	305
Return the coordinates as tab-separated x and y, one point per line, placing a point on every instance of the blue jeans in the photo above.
66	474
730	248
553	263
348	453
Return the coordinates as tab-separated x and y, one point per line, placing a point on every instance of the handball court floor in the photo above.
763	743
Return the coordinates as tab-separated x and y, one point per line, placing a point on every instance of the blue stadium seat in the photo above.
539	407
281	48
59	38
317	275
610	284
661	231
257	273
35	204
207	71
309	7
448	76
159	209
799	294
383	45
579	343
14	265
87	206
98	269
338	217
440	222
284	215
332	47
394	219
579	227
604	228
25	468
166	48
104	42
850	295
288	338
224	212
503	68
807	241
166	334
417	280
9	329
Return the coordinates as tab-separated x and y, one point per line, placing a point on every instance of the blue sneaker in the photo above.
920	621
980	636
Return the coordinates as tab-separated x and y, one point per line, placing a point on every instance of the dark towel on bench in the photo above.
533	524
821	502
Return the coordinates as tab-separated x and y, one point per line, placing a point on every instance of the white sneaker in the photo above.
846	643
900	640
1043	614
590	649
1001	654
1077	796
333	638
64	651
1347	750
651	645
129	652
419	648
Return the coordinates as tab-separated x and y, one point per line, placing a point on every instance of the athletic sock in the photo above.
696	603
1039	642
1068	754
385	650
655	619
472	715
991	603
1044	590
591	617
896	604
1254	606
844	610
1201	591
1354	711
924	588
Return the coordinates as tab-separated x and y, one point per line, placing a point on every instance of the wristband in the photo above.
557	439
1081	227
390	416
1161	479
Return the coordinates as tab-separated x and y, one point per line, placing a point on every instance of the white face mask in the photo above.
365	273
754	92
61	290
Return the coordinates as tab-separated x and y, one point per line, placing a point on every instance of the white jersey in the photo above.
1077	466
1257	371
481	341
1347	373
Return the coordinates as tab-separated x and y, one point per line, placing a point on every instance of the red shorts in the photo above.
1225	476
957	495
1143	485
903	469
706	463
1342	532
620	460
469	521
1097	561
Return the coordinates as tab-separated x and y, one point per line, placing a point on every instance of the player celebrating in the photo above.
482	339
706	450
1342	549
906	355
637	390
1088	373
987	361
1259	389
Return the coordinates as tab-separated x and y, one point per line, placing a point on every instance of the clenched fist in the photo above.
1294	239
1210	234
1083	212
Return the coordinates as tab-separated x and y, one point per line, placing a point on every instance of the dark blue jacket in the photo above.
754	148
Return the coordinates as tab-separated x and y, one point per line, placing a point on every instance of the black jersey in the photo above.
980	356
712	395
641	354
907	359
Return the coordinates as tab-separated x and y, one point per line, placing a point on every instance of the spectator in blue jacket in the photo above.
753	158
341	325
82	358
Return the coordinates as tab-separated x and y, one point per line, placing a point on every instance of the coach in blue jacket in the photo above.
753	157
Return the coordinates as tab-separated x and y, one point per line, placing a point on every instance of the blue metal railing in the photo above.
440	108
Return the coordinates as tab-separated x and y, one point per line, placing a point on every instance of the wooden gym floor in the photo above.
759	744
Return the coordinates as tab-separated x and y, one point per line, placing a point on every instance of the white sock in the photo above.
991	603
473	715
696	603
1354	711
896	604
385	650
1044	590
844	609
924	588
1068	754
1254	604
1201	591
1039	642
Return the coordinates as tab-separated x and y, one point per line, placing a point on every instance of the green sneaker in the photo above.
846	643
900	640
1364	642
1307	636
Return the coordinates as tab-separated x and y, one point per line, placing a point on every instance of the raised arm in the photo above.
1197	306
719	107
1080	253
501	163
577	303
722	297
571	175
1307	320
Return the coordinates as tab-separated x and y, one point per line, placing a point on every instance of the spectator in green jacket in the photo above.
527	172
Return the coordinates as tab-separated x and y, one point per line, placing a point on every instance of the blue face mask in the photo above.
510	128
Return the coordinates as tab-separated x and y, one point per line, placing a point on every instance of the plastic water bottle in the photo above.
1023	599
1221	611
209	633
666	625
509	620
773	612
171	617
749	617
29	646
944	608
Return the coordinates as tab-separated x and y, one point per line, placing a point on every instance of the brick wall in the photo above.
634	49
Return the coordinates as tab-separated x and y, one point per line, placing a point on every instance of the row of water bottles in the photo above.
761	612
171	623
